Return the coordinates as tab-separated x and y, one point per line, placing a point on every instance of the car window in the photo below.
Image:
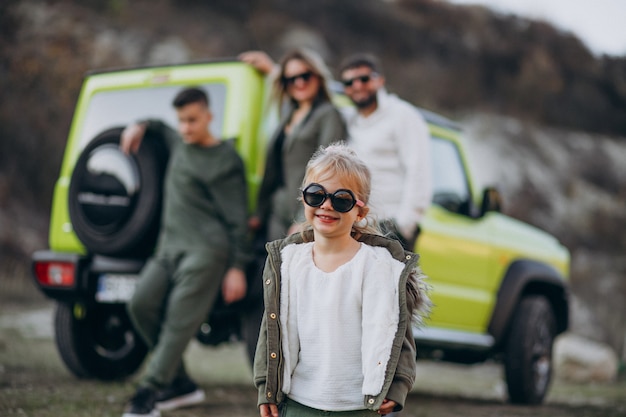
450	189
117	108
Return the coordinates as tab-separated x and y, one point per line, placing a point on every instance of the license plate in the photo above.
115	288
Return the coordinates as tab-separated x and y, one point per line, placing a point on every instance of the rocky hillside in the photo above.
547	120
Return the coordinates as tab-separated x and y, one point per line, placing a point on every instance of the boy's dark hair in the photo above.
361	60
191	95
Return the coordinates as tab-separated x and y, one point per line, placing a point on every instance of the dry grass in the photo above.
35	383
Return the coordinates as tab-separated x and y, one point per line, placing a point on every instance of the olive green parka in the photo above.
401	368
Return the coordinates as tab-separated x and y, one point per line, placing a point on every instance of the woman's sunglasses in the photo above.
364	79
305	76
342	200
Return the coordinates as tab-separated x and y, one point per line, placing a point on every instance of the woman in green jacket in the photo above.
309	120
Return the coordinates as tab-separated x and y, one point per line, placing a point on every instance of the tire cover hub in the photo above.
108	190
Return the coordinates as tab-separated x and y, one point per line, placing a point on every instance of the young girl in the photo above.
339	301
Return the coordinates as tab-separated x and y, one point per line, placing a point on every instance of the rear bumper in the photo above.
71	277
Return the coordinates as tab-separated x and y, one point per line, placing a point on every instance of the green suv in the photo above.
498	285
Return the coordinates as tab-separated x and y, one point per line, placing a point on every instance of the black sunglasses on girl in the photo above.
364	79
305	76
341	200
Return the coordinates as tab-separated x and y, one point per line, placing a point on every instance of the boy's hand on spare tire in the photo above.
131	137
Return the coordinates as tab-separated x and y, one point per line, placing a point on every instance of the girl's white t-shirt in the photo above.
338	327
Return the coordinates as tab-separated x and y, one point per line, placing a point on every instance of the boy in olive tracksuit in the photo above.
202	247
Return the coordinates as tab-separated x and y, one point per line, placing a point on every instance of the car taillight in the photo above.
55	273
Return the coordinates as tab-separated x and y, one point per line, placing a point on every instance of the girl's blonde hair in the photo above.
317	66
339	161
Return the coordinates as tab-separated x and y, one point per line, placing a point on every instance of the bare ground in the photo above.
35	383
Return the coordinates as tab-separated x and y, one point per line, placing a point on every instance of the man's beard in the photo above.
366	102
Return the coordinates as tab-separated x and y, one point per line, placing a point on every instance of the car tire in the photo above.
98	342
238	321
528	354
115	199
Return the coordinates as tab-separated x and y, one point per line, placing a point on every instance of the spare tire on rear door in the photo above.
114	198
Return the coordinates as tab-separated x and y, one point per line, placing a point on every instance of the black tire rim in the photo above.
542	356
112	337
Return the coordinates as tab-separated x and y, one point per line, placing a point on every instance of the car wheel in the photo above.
528	354
115	199
98	342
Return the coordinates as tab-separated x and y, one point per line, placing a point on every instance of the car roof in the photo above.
335	86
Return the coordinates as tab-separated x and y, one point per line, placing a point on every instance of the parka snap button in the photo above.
273	355
273	316
268	282
371	401
408	257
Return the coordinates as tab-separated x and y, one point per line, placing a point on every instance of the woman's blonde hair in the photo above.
317	66
337	160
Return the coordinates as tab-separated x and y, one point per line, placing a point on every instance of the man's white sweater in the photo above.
394	143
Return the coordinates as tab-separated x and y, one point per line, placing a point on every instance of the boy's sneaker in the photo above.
182	393
143	404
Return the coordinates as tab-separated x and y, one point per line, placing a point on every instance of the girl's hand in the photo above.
387	407
268	410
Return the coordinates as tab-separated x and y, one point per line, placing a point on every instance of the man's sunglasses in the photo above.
364	79
305	76
342	200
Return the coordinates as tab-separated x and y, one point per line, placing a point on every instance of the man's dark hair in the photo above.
361	60
191	95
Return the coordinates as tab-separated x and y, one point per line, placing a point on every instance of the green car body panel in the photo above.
466	257
241	119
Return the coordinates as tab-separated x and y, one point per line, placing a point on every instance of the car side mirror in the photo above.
492	201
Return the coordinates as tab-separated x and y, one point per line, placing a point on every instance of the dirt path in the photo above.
35	383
